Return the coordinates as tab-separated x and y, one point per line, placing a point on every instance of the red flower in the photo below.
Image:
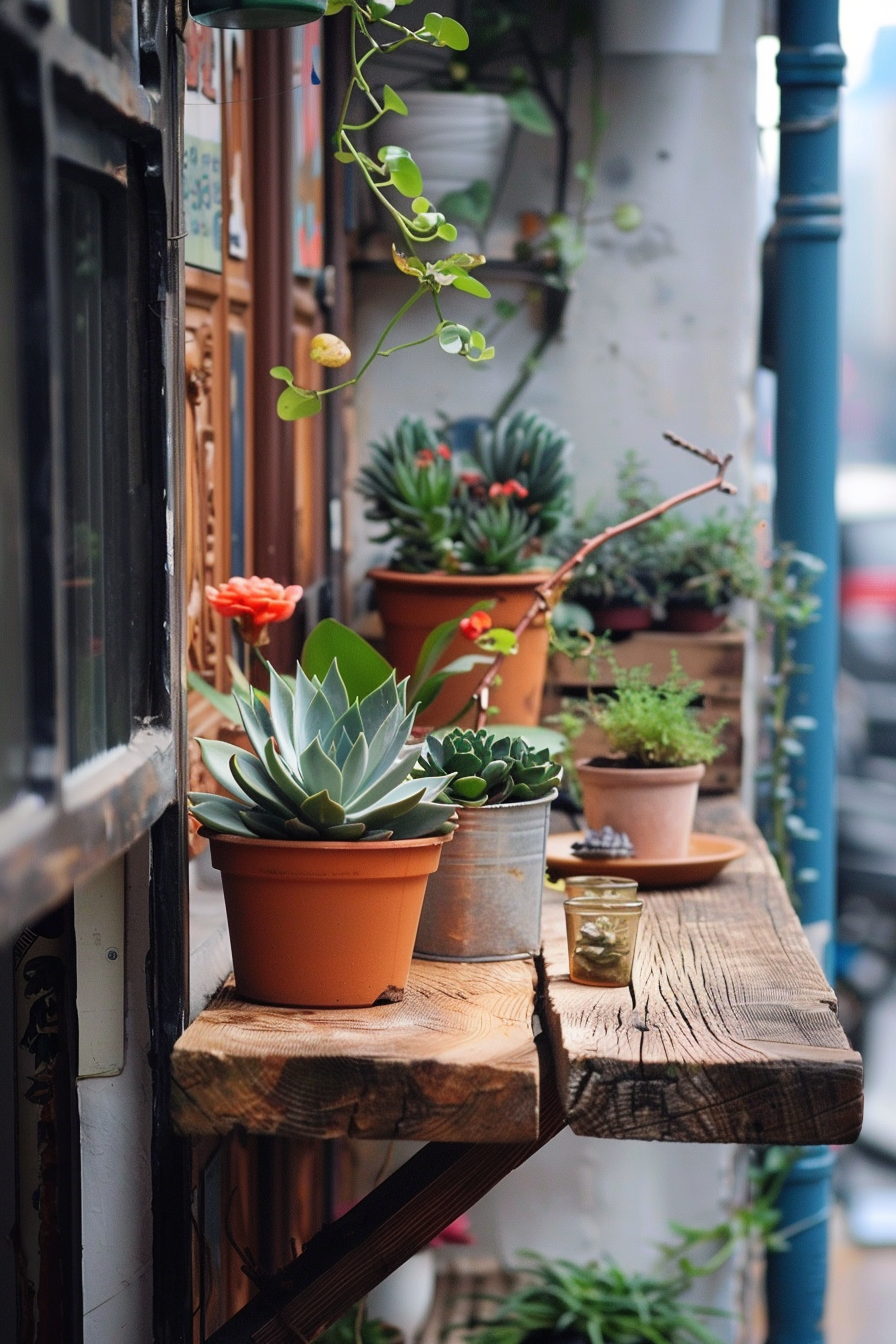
511	487
254	604
471	627
471	478
444	451
455	1234
425	457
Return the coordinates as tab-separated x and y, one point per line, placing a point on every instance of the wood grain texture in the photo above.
729	1031
456	1060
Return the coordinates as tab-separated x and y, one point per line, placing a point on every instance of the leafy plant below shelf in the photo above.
488	769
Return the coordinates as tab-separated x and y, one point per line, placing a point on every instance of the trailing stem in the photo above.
547	593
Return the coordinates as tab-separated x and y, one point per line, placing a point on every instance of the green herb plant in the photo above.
487	770
650	725
787	606
488	514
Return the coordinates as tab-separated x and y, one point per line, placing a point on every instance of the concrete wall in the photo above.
660	333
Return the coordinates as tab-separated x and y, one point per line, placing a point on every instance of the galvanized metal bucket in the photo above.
483	903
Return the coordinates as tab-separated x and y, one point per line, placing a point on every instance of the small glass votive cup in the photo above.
602	915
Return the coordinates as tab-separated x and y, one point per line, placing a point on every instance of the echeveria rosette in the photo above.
323	768
487	770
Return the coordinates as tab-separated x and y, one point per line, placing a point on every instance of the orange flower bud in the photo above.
471	627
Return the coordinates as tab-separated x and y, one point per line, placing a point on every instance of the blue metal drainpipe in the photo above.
807	227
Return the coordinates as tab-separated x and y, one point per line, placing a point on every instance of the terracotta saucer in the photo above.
706	857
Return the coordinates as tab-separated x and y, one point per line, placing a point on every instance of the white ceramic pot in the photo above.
405	1298
653	806
661	27
454	138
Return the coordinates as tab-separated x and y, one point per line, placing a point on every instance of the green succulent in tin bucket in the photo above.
256	13
489	770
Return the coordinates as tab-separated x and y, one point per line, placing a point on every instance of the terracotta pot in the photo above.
317	924
412	604
653	805
621	618
687	619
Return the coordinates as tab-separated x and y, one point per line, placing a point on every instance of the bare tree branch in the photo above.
547	593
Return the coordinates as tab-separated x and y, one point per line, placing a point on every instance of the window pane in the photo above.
13	716
96	562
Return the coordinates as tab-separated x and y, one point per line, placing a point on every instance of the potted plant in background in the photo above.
710	563
485	905
326	842
620	585
468	527
461	129
647	788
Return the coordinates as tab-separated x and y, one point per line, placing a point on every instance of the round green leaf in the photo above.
627	218
406	177
343	156
471	286
447	231
529	111
447	32
296	403
420	205
379	9
281	371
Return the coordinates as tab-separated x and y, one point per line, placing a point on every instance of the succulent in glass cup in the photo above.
602	916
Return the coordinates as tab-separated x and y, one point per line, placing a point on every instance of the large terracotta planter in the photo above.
323	925
653	805
412	604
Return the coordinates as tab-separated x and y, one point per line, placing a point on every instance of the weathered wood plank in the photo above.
729	1032
348	1257
456	1061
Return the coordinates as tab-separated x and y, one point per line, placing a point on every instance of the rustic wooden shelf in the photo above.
456	1060
729	1032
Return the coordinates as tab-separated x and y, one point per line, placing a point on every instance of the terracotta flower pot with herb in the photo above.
709	564
648	787
467	531
326	842
484	904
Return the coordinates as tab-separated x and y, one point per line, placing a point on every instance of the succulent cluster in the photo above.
488	514
324	767
488	770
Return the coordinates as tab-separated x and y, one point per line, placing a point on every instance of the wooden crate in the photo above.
716	659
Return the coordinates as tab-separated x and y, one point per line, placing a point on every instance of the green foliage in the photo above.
445	518
656	725
713	561
707	563
362	668
323	767
787	605
601	1302
627	570
608	1306
356	1327
489	770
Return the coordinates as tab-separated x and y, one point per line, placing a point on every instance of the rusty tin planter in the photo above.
315	924
484	903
